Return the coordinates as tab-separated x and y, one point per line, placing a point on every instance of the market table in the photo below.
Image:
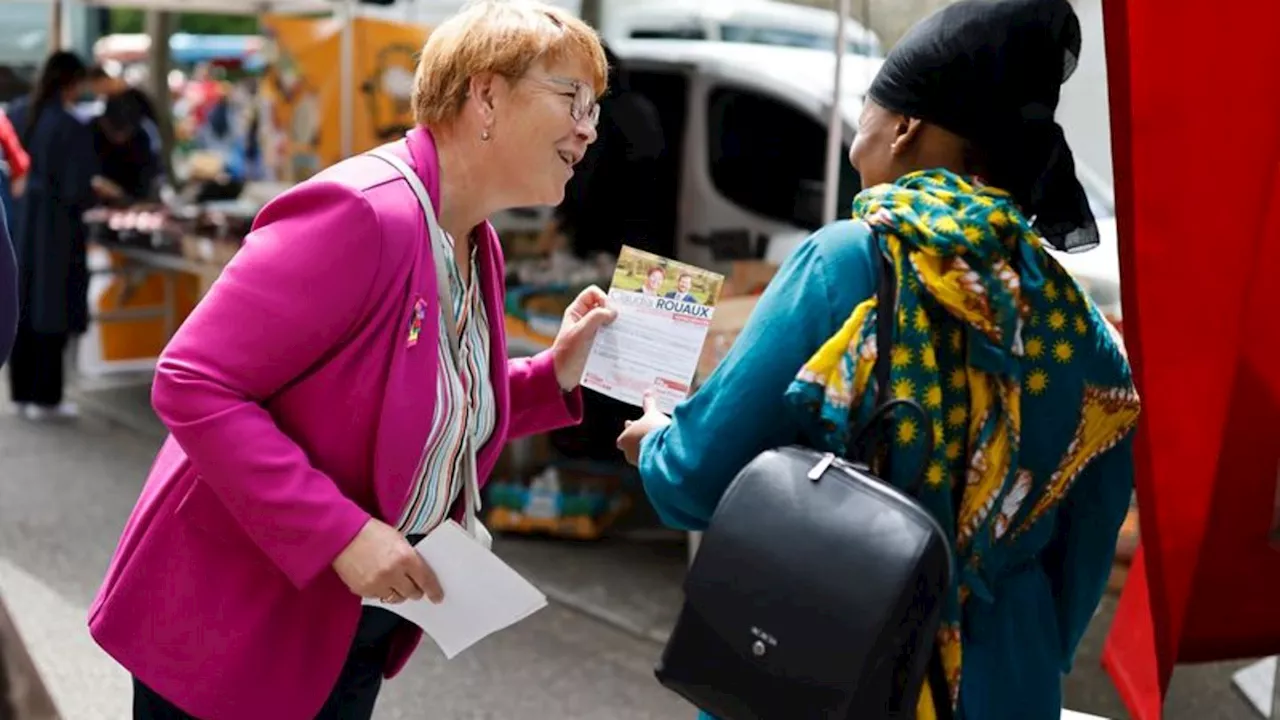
140	263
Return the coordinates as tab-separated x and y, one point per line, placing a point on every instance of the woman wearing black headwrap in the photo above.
979	82
1029	399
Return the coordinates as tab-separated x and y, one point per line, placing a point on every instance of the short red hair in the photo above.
504	37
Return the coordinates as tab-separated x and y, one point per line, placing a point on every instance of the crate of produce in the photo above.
579	501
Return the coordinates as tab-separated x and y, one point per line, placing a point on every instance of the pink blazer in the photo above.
297	410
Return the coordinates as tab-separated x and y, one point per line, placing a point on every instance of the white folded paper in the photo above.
482	594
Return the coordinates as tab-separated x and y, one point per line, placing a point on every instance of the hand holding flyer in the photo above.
664	312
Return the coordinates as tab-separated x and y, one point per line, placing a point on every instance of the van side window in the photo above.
674	33
764	35
768	157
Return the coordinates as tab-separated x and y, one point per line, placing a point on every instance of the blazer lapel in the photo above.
421	147
493	289
405	423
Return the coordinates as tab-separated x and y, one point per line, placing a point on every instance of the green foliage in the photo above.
129	20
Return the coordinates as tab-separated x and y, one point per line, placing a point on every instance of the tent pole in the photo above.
159	27
835	127
346	74
55	26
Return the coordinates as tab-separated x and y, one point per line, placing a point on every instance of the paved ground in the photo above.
65	492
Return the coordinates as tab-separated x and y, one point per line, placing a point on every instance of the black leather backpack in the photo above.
817	588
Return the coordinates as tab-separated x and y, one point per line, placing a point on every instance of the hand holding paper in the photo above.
482	594
380	563
664	310
582	320
636	430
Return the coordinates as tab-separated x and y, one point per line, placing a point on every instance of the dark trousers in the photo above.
352	698
36	367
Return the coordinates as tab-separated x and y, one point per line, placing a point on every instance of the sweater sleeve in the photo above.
260	327
740	411
14	154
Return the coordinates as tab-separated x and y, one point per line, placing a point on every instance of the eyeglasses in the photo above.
583	105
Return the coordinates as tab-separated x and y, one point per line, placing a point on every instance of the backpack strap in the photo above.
939	687
886	309
882	415
886	312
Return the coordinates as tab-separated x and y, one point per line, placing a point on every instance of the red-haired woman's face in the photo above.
654	281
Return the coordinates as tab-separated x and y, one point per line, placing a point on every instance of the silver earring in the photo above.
485	136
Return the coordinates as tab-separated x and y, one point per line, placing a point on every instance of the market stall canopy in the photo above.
185	48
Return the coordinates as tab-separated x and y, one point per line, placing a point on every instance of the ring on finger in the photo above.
391	597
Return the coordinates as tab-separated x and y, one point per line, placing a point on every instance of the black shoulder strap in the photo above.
939	687
886	309
886	312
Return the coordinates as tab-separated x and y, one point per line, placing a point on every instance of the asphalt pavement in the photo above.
65	491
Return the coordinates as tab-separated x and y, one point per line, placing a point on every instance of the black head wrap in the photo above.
992	72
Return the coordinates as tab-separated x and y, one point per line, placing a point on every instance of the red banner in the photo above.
1195	109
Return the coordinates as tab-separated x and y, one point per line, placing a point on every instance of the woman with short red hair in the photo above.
344	388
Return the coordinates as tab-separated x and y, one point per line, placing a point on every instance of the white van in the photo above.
762	22
745	128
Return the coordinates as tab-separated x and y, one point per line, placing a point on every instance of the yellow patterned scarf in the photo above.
973	281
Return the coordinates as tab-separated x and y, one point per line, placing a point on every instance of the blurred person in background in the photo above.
101	84
218	169
321	422
220	134
14	166
616	197
126	155
8	294
615	194
50	235
106	87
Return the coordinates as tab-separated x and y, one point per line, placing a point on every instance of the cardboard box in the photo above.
730	317
748	277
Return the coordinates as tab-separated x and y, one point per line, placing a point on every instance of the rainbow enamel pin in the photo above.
415	320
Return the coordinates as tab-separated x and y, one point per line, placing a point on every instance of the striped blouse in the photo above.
464	399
